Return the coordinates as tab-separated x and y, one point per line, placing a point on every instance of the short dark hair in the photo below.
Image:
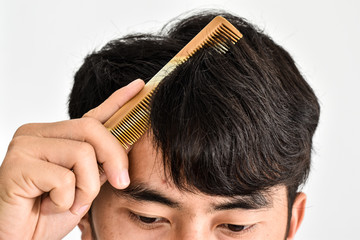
226	124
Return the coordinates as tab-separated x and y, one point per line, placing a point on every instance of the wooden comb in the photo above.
131	121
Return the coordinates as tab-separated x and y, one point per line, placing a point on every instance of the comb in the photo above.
132	120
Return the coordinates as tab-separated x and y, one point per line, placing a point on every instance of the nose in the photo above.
193	235
192	230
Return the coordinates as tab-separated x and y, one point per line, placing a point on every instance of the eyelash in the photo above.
148	226
246	229
152	225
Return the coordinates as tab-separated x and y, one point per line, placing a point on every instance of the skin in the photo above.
185	215
49	179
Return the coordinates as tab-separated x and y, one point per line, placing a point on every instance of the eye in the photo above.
236	230
147	222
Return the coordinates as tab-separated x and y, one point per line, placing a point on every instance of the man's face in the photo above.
153	208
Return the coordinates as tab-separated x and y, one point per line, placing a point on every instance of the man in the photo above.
228	148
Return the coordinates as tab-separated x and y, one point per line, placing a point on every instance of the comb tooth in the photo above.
222	44
132	129
217	46
220	49
197	49
137	122
229	31
228	34
119	130
215	37
138	125
224	38
143	120
141	124
134	124
144	104
126	134
219	43
212	42
142	112
224	47
120	139
116	134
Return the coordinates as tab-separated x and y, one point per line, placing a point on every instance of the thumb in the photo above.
62	224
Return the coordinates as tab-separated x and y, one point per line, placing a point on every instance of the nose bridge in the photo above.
190	234
192	229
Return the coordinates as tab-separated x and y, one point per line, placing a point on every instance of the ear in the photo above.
85	227
298	212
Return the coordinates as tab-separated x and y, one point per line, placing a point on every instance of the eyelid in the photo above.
136	217
247	229
144	214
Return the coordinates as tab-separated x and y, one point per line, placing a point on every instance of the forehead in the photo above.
147	172
145	163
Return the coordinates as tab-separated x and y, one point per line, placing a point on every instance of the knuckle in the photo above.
68	179
17	141
63	192
17	146
90	113
24	129
88	123
85	151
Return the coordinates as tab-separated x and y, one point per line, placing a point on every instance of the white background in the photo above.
42	44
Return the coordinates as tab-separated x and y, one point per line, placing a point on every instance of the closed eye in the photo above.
147	222
236	230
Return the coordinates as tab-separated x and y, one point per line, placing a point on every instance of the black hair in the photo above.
226	124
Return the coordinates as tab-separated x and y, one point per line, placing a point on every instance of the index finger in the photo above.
102	113
106	109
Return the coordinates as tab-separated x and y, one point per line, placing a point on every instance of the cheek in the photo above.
106	223
102	216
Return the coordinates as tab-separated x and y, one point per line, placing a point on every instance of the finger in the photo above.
75	155
108	151
36	177
105	110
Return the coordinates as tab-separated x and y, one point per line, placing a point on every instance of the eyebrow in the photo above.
248	202
141	192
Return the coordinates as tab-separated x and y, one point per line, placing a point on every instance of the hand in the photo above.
50	175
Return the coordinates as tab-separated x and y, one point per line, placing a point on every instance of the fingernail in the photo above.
82	209
124	179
